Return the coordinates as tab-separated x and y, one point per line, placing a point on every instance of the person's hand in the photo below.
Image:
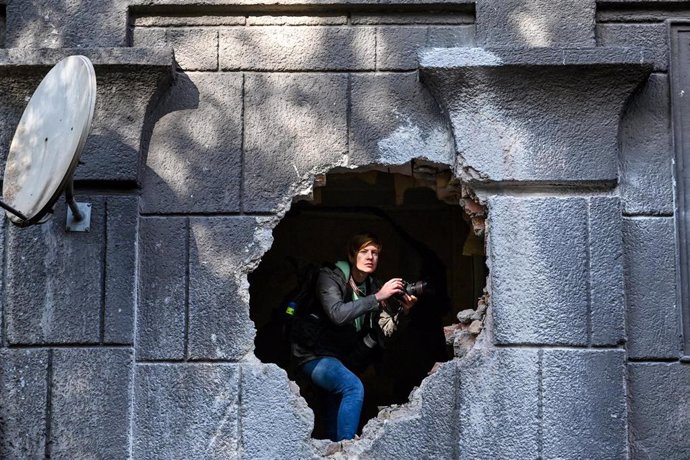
408	302
392	287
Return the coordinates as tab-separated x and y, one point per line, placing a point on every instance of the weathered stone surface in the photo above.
91	403
426	428
176	20
397	47
653	37
65	24
112	149
193	163
184	411
220	250
653	319
466	316
298	48
2	279
394	119
539	272
149	36
607	316
437	18
120	260
584	399
296	20
162	286
23	395
499	404
126	79
647	150
295	124
527	115
55	280
659	410
462	343
194	48
276	422
475	328
15	61
542	23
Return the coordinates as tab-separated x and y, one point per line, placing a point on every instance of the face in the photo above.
367	259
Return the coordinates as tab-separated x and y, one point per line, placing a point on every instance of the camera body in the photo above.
417	289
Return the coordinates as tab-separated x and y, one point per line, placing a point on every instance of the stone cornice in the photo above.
536	115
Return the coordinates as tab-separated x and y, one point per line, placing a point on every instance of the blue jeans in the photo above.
331	375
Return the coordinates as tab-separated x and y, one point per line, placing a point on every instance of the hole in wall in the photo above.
426	234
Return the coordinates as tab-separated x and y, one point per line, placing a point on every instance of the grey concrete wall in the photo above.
134	340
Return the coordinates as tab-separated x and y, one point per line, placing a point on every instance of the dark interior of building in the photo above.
423	237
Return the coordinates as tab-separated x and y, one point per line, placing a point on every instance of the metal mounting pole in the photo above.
78	214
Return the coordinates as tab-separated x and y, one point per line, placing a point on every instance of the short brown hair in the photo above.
360	240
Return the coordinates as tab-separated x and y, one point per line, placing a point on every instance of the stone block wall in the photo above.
134	340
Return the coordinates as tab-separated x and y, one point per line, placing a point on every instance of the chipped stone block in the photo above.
584	399
184	411
539	270
476	327
193	163
653	319
653	37
297	48
499	404
659	408
427	428
120	282
394	119
397	47
606	272
466	316
295	125
462	343
66	24
276	423
536	23
54	280
23	395
162	286
220	250
91	403
647	150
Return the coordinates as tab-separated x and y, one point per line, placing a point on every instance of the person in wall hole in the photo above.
356	314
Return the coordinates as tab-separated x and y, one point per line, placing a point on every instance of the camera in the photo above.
417	289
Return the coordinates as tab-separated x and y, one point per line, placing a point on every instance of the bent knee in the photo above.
355	389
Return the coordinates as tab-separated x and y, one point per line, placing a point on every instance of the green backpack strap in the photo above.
345	268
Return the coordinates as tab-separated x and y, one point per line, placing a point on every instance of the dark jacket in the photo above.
333	329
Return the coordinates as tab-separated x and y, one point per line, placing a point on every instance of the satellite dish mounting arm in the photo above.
78	214
9	208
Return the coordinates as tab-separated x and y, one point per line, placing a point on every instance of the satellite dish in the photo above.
47	144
